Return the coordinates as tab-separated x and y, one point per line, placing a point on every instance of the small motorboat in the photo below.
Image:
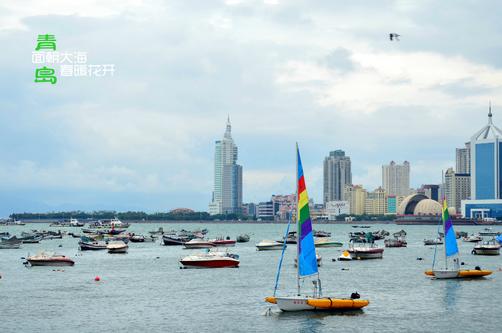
117	247
211	260
198	243
399	240
137	238
243	238
436	241
473	238
10	243
49	259
361	249
487	248
322	233
88	244
269	245
326	242
170	240
223	242
345	256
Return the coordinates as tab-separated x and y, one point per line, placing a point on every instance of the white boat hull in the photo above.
445	274
293	303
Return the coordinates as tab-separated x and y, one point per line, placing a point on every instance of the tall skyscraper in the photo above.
227	193
486	173
337	174
396	178
463	159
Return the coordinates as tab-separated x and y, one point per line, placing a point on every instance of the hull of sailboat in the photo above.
294	303
302	303
455	274
445	274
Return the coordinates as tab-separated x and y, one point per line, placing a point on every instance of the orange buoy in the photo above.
97	278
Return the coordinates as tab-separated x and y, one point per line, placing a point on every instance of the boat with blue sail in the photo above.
451	253
307	268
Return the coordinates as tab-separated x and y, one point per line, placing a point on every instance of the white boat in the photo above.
198	243
487	248
49	259
362	249
307	264
117	247
211	259
269	245
473	238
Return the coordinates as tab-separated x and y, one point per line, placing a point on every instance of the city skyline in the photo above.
286	72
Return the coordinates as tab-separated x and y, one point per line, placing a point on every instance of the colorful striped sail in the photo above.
450	241
307	262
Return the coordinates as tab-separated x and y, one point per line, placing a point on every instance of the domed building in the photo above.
419	204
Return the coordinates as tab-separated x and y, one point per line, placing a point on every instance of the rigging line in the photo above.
282	257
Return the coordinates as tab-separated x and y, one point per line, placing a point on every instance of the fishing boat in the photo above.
326	242
399	240
211	260
451	251
49	259
137	238
321	233
198	243
117	247
365	249
488	248
266	245
307	263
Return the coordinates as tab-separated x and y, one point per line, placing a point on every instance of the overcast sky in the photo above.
322	73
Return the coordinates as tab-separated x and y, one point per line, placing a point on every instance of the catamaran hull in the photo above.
299	303
463	273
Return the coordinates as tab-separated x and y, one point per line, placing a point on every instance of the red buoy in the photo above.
97	278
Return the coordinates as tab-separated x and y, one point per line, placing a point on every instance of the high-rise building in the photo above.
396	178
337	174
376	203
431	191
457	188
463	159
356	196
486	173
227	193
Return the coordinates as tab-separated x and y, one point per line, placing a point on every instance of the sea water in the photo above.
146	291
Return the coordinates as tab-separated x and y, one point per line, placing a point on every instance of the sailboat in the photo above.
307	263
451	252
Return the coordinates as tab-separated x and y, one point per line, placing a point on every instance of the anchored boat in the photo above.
211	260
307	263
49	259
488	248
451	251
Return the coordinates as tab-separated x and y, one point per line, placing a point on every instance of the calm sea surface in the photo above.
145	291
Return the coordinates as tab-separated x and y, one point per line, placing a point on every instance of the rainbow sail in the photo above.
307	262
450	241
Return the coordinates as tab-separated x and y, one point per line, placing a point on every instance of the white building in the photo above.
227	193
335	208
396	178
457	188
463	159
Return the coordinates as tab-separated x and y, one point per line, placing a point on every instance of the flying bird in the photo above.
393	36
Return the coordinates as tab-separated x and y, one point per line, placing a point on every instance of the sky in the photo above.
320	73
